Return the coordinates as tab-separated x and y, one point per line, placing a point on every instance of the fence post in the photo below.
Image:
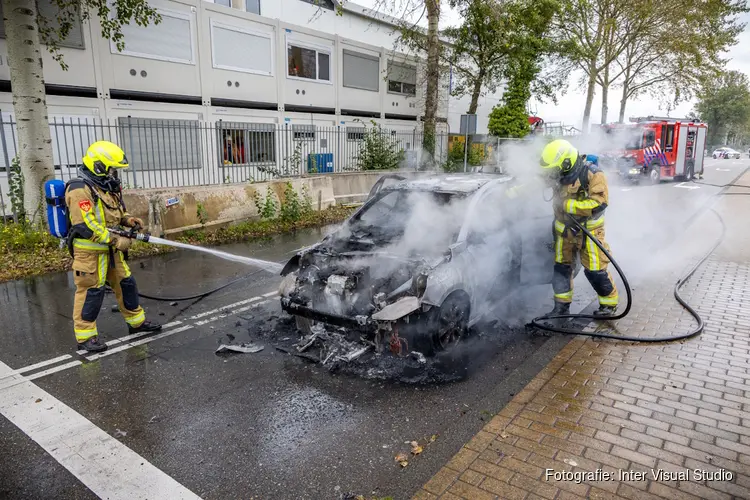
130	138
7	164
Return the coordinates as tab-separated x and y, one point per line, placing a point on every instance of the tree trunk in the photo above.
623	102
29	102
605	95
433	76
589	100
475	93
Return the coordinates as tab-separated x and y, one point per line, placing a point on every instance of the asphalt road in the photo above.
262	425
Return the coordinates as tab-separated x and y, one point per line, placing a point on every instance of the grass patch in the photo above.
27	251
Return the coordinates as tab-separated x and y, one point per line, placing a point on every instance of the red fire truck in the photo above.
658	148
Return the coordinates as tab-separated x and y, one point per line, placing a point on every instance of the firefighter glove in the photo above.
121	243
134	222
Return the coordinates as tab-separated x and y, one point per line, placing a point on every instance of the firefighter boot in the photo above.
605	311
561	308
92	345
146	326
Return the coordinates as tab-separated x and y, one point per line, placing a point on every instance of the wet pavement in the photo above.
610	419
271	425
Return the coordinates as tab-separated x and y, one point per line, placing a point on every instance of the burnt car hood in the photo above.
353	284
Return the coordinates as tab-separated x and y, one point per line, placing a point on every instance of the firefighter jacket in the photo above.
92	210
586	199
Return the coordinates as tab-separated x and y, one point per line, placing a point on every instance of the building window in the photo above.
355	133
237	49
309	63
154	144
49	10
243	144
361	71
252	6
225	3
325	4
303	132
402	79
170	40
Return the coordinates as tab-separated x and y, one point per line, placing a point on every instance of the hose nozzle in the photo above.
133	234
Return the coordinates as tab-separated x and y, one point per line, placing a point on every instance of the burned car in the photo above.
422	260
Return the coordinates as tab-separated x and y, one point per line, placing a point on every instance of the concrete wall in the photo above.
222	205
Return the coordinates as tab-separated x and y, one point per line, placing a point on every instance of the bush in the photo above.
291	208
379	151
266	207
24	237
455	160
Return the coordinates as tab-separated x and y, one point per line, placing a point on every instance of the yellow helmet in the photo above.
103	155
559	156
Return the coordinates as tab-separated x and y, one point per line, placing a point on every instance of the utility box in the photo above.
320	163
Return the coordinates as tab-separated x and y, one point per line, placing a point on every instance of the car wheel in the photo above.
451	321
654	173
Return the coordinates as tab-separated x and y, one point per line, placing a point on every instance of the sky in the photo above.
569	108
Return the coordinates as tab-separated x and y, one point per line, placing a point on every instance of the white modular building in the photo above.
233	83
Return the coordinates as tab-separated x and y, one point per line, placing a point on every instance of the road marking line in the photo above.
126	338
213	311
229	313
55	369
124	347
37	365
127	344
106	466
270	294
683	185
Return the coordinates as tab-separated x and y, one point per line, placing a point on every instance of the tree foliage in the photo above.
724	103
665	47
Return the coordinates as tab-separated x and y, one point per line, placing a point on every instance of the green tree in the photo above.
724	103
492	36
677	46
26	31
510	118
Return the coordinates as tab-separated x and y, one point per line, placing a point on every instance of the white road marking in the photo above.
626	189
55	369
37	365
106	466
212	311
685	185
126	340
124	347
724	169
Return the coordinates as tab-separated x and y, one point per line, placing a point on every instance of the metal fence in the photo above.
167	153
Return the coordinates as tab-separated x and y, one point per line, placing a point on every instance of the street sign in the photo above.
468	124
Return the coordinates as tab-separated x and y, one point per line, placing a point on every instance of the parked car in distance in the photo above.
726	153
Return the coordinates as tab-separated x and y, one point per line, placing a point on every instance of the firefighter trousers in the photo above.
569	247
93	270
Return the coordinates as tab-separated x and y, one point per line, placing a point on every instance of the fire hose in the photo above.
537	322
136	233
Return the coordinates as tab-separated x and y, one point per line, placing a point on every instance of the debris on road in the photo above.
243	348
119	433
154	419
419	357
402	459
416	449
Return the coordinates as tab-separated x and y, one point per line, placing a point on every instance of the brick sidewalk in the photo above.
616	406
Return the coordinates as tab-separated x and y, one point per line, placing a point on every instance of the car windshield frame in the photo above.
355	225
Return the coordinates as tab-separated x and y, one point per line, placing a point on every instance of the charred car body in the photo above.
422	260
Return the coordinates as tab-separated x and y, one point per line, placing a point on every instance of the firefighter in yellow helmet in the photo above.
94	202
580	189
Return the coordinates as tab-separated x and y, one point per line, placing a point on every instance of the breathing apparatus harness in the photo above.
579	226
